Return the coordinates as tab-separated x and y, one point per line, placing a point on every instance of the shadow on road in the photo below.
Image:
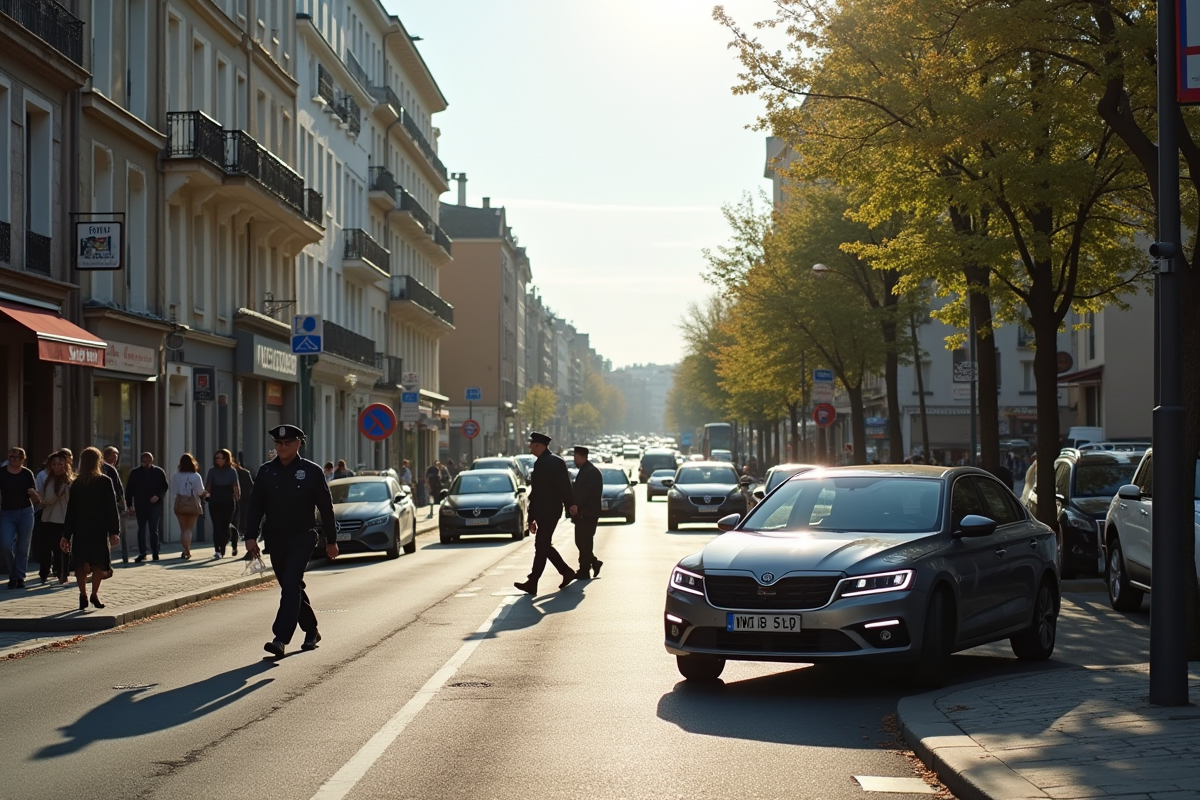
132	713
529	611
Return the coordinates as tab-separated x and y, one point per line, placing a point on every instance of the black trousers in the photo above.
149	522
221	515
289	557
543	550
585	535
47	537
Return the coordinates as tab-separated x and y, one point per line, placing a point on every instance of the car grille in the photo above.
708	500
732	591
349	525
810	641
469	513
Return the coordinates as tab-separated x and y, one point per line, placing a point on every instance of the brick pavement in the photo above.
1066	734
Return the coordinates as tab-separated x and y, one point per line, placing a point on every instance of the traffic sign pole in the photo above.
471	441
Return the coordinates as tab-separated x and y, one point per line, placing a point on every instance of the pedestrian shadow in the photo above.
529	611
132	712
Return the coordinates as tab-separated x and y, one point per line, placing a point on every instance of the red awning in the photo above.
58	340
1084	377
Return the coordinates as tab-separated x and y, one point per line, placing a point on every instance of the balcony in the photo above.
349	113
37	253
5	243
356	71
420	307
383	188
441	239
428	235
245	156
387	100
349	345
393	367
314	207
325	94
423	144
51	23
364	259
194	134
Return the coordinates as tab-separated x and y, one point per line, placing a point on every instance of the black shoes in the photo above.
596	565
582	574
311	640
82	601
274	647
155	556
20	583
140	559
527	587
12	583
570	576
95	601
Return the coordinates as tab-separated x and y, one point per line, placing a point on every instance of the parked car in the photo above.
656	485
891	564
526	462
509	463
655	459
775	476
705	491
374	514
722	455
631	451
1085	482
482	501
616	497
1128	533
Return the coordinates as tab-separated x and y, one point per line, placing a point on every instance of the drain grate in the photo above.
330	610
122	687
471	685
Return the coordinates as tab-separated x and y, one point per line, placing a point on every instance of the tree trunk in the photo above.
858	424
912	321
1189	285
891	377
792	433
988	381
1045	370
822	446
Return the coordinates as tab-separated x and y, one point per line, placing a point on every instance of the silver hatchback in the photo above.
894	563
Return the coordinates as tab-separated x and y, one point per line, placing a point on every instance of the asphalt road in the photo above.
436	680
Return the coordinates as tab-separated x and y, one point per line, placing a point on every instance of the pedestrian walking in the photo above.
223	490
328	470
433	481
145	489
341	470
588	489
18	496
188	490
55	494
245	486
288	490
406	478
109	467
550	492
92	526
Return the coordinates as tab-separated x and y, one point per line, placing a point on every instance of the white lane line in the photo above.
346	778
874	783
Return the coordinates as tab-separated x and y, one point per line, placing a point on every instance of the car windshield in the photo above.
1102	480
658	461
663	473
614	477
468	483
780	475
712	474
360	492
866	504
492	463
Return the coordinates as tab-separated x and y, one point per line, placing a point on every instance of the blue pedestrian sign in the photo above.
474	394
823	376
410	397
307	334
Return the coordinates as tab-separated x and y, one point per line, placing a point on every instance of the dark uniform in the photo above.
288	497
549	493
589	487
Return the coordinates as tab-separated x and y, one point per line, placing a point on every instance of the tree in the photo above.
584	420
538	406
607	399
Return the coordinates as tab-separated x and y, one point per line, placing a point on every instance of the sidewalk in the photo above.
1065	734
135	591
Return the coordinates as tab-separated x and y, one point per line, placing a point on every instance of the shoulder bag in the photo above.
188	504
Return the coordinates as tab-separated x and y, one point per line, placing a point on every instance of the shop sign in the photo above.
132	358
78	354
99	245
204	384
274	393
258	355
876	427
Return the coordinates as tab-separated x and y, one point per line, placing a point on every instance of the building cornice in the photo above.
415	67
329	57
104	110
129	317
250	320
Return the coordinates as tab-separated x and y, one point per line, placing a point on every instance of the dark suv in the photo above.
1085	481
656	459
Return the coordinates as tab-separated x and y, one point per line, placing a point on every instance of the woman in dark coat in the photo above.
246	485
92	527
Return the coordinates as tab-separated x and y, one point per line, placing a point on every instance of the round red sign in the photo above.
470	429
824	414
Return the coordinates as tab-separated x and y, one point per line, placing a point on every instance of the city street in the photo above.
436	679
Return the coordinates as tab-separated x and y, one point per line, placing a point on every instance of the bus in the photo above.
718	436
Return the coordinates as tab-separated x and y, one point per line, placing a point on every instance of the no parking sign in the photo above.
377	422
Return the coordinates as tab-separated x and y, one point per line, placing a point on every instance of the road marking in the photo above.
346	778
872	783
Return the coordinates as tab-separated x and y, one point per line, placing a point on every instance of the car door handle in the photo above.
1001	552
1143	512
1033	543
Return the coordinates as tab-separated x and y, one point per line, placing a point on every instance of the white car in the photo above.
654	484
1128	529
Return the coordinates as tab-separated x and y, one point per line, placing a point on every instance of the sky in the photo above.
609	131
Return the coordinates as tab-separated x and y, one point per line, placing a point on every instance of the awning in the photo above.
59	341
1084	377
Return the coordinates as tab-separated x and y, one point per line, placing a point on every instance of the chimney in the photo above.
461	177
487	202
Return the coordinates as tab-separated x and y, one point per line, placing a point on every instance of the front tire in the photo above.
1121	595
1036	643
672	522
700	668
411	547
631	518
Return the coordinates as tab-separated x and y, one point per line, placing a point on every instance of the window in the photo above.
102	47
135	239
102	201
964	500
137	40
1145	475
1028	379
999	503
925	381
5	155
1062	478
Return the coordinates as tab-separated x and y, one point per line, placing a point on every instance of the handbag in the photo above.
188	505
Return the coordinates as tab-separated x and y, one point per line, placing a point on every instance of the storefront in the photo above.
123	407
267	392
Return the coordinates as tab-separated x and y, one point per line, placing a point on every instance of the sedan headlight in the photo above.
879	583
673	492
509	509
1081	522
376	521
684	580
449	511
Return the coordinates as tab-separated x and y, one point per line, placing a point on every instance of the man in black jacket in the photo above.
144	491
589	487
550	492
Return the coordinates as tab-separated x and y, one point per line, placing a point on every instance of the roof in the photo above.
468	222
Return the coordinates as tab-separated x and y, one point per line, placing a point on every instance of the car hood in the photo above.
706	488
1094	507
824	551
490	500
361	510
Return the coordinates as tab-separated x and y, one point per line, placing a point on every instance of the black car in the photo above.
705	491
482	501
616	499
655	459
1085	482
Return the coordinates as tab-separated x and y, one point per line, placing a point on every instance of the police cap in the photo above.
539	438
581	451
286	432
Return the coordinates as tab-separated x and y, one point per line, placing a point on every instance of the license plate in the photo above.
343	537
708	509
473	521
775	623
604	504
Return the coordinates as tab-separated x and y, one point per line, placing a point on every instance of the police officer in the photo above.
589	488
286	492
550	492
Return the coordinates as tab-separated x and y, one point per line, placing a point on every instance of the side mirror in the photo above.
1129	491
443	494
520	490
633	483
729	522
759	494
1062	498
398	499
976	525
669	482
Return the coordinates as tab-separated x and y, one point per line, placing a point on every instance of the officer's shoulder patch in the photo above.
300	474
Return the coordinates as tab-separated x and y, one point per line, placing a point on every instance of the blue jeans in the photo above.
16	532
149	520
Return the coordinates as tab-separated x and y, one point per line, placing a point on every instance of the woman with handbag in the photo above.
59	477
188	490
92	526
224	490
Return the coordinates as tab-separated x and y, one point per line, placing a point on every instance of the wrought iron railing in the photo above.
325	84
194	134
349	112
414	130
37	252
348	344
247	157
385	95
382	180
360	246
406	287
356	70
392	366
443	241
314	206
51	23
5	242
409	203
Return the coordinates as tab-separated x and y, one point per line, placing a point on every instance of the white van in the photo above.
1078	435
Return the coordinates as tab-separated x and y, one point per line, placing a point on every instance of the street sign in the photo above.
1187	57
822	376
470	429
824	414
411	381
308	334
410	410
377	422
822	393
964	371
474	394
